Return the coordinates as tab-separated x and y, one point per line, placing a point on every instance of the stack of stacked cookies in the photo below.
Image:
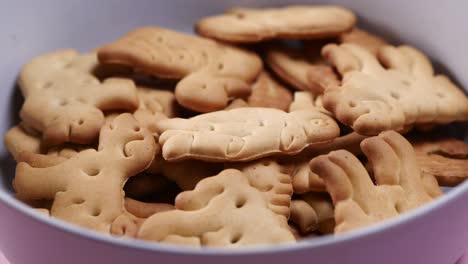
270	126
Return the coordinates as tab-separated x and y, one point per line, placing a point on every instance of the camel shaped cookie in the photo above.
358	201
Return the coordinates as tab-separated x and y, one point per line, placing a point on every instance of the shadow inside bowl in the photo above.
7	169
7	163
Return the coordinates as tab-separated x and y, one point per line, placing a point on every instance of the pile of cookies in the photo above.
272	125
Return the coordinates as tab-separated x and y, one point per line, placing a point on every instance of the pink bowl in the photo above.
436	233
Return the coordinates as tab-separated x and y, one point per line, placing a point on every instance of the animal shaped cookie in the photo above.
243	134
223	210
211	73
446	159
246	25
378	95
358	201
87	188
65	101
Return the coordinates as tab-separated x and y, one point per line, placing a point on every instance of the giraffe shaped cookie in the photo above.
212	73
64	100
87	188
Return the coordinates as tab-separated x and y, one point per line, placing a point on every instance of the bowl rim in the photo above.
314	243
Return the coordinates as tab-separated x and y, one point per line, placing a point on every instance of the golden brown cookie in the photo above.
268	92
87	188
157	101
313	212
24	144
244	25
53	156
303	179
65	101
304	69
18	140
446	159
269	177
212	73
223	210
243	134
306	101
378	95
136	212
365	39
237	103
358	202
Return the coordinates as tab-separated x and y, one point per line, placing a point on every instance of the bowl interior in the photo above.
52	24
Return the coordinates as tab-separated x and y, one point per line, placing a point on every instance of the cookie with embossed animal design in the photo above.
65	101
271	179
382	93
87	188
400	184
243	134
223	210
211	73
